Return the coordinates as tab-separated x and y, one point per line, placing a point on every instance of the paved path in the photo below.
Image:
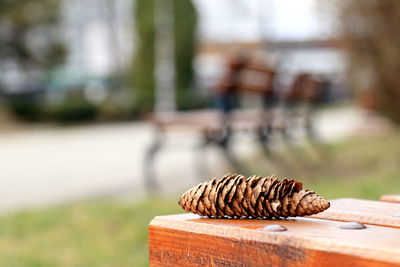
57	165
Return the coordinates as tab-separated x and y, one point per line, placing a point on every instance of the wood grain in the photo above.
390	198
364	211
189	240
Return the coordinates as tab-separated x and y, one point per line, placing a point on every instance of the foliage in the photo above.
370	36
143	66
117	106
26	105
74	108
29	35
185	17
30	44
185	48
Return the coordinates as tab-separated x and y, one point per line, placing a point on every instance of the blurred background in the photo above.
109	110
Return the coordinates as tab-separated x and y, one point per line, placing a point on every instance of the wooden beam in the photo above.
364	211
190	240
391	198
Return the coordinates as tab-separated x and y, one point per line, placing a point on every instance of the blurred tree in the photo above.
185	17
185	49
29	34
143	65
371	39
30	44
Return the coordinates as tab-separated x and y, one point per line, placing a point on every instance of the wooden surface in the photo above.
190	240
364	211
391	198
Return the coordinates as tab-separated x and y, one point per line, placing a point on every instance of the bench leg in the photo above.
290	114
309	124
224	142
237	166
200	161
149	159
263	136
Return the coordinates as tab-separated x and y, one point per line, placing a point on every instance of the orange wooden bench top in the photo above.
364	211
191	240
391	198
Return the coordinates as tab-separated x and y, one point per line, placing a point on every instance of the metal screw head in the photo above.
274	228
352	226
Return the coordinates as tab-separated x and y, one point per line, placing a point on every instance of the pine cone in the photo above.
257	197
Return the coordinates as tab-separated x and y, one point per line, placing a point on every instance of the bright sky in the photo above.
274	19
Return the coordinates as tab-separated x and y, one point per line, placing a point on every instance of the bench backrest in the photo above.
305	88
244	78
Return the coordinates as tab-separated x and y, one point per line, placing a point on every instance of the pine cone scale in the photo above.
197	195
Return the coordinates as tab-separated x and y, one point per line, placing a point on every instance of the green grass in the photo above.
361	167
88	234
111	233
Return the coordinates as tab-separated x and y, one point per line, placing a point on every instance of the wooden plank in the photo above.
190	240
364	211
390	198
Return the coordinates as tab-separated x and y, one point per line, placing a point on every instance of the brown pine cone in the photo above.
257	197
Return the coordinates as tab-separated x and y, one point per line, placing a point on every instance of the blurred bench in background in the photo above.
325	239
217	126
